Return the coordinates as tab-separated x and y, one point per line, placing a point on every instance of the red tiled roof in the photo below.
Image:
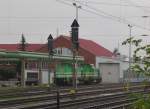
15	47
88	45
93	47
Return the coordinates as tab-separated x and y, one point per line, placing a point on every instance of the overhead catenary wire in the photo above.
141	8
93	12
104	14
95	9
93	35
86	10
107	14
111	4
13	18
135	5
39	18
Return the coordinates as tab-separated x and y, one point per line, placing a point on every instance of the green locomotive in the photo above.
86	74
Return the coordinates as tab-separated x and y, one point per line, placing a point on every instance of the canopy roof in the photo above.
34	55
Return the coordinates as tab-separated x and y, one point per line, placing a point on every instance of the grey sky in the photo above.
38	18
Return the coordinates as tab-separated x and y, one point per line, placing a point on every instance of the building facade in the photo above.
111	68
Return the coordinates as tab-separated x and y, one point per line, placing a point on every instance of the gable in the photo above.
92	47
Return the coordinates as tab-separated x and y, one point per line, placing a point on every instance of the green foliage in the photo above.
142	102
132	41
23	43
141	56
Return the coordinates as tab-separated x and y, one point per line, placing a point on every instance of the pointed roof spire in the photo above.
75	23
50	37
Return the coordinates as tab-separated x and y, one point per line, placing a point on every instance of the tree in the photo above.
22	47
141	55
23	44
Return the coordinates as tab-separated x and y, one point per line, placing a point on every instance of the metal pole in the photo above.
50	48
58	99
49	70
76	64
77	13
129	79
77	7
74	70
23	72
76	76
75	44
40	71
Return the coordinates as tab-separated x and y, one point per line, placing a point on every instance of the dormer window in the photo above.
63	51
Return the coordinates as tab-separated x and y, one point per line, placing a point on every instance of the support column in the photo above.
74	78
50	69
23	72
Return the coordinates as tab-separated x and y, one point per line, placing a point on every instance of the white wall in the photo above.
45	77
109	69
123	66
105	60
34	71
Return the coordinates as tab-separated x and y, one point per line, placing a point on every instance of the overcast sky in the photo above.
103	21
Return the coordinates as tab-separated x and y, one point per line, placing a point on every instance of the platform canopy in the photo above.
35	55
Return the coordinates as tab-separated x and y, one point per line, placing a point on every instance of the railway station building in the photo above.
113	69
94	54
93	61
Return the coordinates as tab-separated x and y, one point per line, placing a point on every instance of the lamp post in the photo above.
75	46
77	7
130	29
50	53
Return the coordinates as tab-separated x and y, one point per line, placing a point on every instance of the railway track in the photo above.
106	101
94	102
47	95
43	91
49	100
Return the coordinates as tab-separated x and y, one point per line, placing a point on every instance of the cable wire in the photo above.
106	15
134	4
112	4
